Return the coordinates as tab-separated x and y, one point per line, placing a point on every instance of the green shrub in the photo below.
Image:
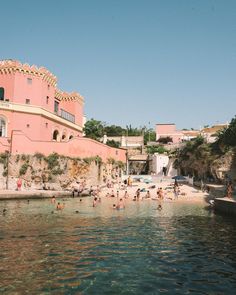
113	143
111	161
23	169
23	157
3	158
57	171
98	160
52	160
4	174
120	164
156	149
39	156
87	160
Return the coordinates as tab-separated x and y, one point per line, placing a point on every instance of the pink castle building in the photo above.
35	116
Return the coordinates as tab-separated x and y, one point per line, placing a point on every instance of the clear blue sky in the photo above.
134	61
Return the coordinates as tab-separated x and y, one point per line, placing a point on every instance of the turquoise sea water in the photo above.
183	249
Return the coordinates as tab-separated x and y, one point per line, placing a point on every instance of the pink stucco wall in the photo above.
165	129
35	127
7	82
78	147
75	108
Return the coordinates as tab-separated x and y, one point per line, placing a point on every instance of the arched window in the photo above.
63	137
2	127
71	136
55	135
1	93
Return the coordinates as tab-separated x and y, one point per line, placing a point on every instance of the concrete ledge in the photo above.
225	205
21	195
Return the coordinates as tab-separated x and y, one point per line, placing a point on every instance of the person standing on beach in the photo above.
229	190
138	194
126	195
160	194
95	202
19	184
129	181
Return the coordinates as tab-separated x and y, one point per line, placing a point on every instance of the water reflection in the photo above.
139	250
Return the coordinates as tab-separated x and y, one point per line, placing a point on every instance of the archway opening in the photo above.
2	127
55	135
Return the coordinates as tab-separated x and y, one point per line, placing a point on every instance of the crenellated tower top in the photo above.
64	96
12	66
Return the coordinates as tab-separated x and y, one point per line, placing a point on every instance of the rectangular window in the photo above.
29	81
1	93
27	101
56	107
47	99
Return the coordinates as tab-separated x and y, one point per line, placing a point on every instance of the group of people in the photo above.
138	195
59	206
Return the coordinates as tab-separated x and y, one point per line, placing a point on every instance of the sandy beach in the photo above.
187	193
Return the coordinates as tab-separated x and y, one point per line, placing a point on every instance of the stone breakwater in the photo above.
24	195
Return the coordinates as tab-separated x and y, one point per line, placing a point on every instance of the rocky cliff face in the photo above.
55	172
226	164
207	165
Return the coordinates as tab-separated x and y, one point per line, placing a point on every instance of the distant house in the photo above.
129	142
210	133
177	136
190	134
168	130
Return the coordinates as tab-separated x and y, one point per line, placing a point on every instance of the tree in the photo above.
156	149
165	140
114	130
133	131
94	129
113	143
227	136
149	135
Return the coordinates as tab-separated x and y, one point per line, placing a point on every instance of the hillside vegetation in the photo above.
209	160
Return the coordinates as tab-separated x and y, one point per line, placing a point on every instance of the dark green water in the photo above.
182	249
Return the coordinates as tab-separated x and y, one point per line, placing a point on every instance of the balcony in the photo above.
67	116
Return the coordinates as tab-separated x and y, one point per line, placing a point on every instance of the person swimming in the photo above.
60	206
95	201
159	207
121	204
53	200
